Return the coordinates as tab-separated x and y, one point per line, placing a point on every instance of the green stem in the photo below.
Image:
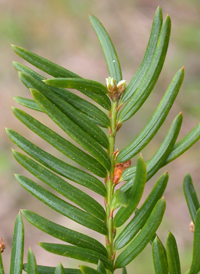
109	183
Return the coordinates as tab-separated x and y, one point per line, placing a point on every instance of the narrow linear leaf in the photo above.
58	71
195	266
135	193
61	206
88	270
62	233
42	63
143	237
29	103
143	213
102	99
110	54
61	186
73	130
77	83
156	120
66	110
151	76
159	257
16	263
159	157
165	148
31	263
101	267
51	270
172	255
1	265
124	270
60	269
90	110
148	56
60	143
184	144
77	253
191	196
57	165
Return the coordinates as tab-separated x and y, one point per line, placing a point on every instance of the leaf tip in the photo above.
13	47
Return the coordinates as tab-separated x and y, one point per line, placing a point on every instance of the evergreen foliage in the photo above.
98	158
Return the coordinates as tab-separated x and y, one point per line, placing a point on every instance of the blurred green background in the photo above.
60	31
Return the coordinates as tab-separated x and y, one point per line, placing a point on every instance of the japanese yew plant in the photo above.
101	166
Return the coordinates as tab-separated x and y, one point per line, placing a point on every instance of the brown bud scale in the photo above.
2	245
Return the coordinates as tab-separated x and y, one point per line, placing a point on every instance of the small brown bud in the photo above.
119	168
121	86
191	226
2	245
117	174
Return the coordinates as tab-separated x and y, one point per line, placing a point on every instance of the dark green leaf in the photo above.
42	63
77	83
88	270
71	114
151	76
60	269
143	213
165	148
159	157
77	253
67	190
51	270
155	122
119	199
184	144
91	111
57	165
143	237
60	143
61	206
110	54
148	56
57	71
16	263
159	257
191	196
62	233
101	99
135	193
1	265
31	263
172	255
29	103
195	266
101	267
72	129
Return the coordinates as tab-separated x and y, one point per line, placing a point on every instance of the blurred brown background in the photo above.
60	31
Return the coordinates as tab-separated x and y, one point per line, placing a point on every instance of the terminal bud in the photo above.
121	86
111	85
